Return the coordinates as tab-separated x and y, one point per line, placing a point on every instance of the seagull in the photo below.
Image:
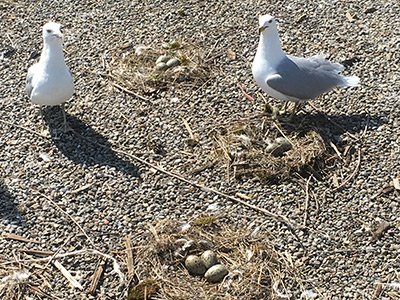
291	78
49	82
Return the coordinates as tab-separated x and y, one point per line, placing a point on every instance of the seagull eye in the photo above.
270	21
48	30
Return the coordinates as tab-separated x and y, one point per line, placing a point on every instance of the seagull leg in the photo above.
293	111
45	130
65	126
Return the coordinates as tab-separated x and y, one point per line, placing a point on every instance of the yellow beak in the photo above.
261	29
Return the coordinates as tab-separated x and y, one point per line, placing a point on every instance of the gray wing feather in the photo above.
29	86
305	78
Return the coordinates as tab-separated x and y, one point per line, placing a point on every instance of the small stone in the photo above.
163	59
209	258
161	66
195	265
216	273
173	62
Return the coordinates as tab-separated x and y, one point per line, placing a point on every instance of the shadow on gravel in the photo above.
8	207
334	125
86	146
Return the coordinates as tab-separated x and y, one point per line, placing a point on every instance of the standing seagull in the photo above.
49	82
291	78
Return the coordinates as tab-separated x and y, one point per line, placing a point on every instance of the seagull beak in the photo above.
261	29
59	35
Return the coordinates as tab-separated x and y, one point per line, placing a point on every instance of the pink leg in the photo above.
244	93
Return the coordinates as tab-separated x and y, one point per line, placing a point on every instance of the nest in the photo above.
243	148
256	269
135	68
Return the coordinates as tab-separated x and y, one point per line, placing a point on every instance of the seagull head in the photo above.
267	24
52	32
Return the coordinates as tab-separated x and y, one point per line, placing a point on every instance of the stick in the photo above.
73	220
36	252
352	174
16	237
281	132
188	128
330	120
129	255
277	217
307	199
24	128
97	276
116	267
58	251
68	275
126	90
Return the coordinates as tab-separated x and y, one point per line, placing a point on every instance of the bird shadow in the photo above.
87	147
8	206
331	127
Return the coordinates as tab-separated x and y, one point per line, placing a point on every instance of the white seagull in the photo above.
291	78
49	82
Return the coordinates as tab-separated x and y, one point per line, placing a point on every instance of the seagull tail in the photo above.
351	81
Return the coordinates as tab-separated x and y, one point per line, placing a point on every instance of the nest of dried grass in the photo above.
242	147
256	269
135	67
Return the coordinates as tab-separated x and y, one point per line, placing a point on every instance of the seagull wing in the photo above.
29	77
303	78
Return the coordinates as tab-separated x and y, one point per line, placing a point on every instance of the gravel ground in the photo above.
111	195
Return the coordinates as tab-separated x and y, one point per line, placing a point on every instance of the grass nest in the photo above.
256	269
134	68
243	148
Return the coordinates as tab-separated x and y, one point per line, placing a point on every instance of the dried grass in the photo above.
257	270
241	146
137	71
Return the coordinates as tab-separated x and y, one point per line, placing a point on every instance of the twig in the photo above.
116	266
336	149
73	220
185	122
129	255
352	174
16	237
82	188
277	217
37	252
24	128
58	251
281	132
307	199
333	122
97	276
67	275
125	89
